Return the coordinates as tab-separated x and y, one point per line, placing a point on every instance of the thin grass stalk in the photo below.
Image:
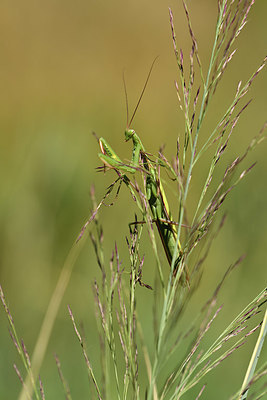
254	359
89	367
130	338
241	93
21	349
110	332
128	325
230	327
131	328
223	190
106	306
50	316
104	346
63	380
207	309
235	328
181	388
41	389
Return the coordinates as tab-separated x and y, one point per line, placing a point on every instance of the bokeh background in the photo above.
61	78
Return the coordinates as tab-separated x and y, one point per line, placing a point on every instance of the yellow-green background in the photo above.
61	78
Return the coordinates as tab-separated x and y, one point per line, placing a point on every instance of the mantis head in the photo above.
129	133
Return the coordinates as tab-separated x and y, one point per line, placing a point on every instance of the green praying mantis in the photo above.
154	190
155	194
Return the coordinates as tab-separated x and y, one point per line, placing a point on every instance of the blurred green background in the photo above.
61	78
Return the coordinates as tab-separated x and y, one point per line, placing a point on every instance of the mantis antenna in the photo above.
140	97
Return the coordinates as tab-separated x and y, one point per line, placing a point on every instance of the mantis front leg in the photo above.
111	159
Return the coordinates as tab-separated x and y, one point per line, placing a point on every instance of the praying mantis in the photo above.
155	194
154	190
